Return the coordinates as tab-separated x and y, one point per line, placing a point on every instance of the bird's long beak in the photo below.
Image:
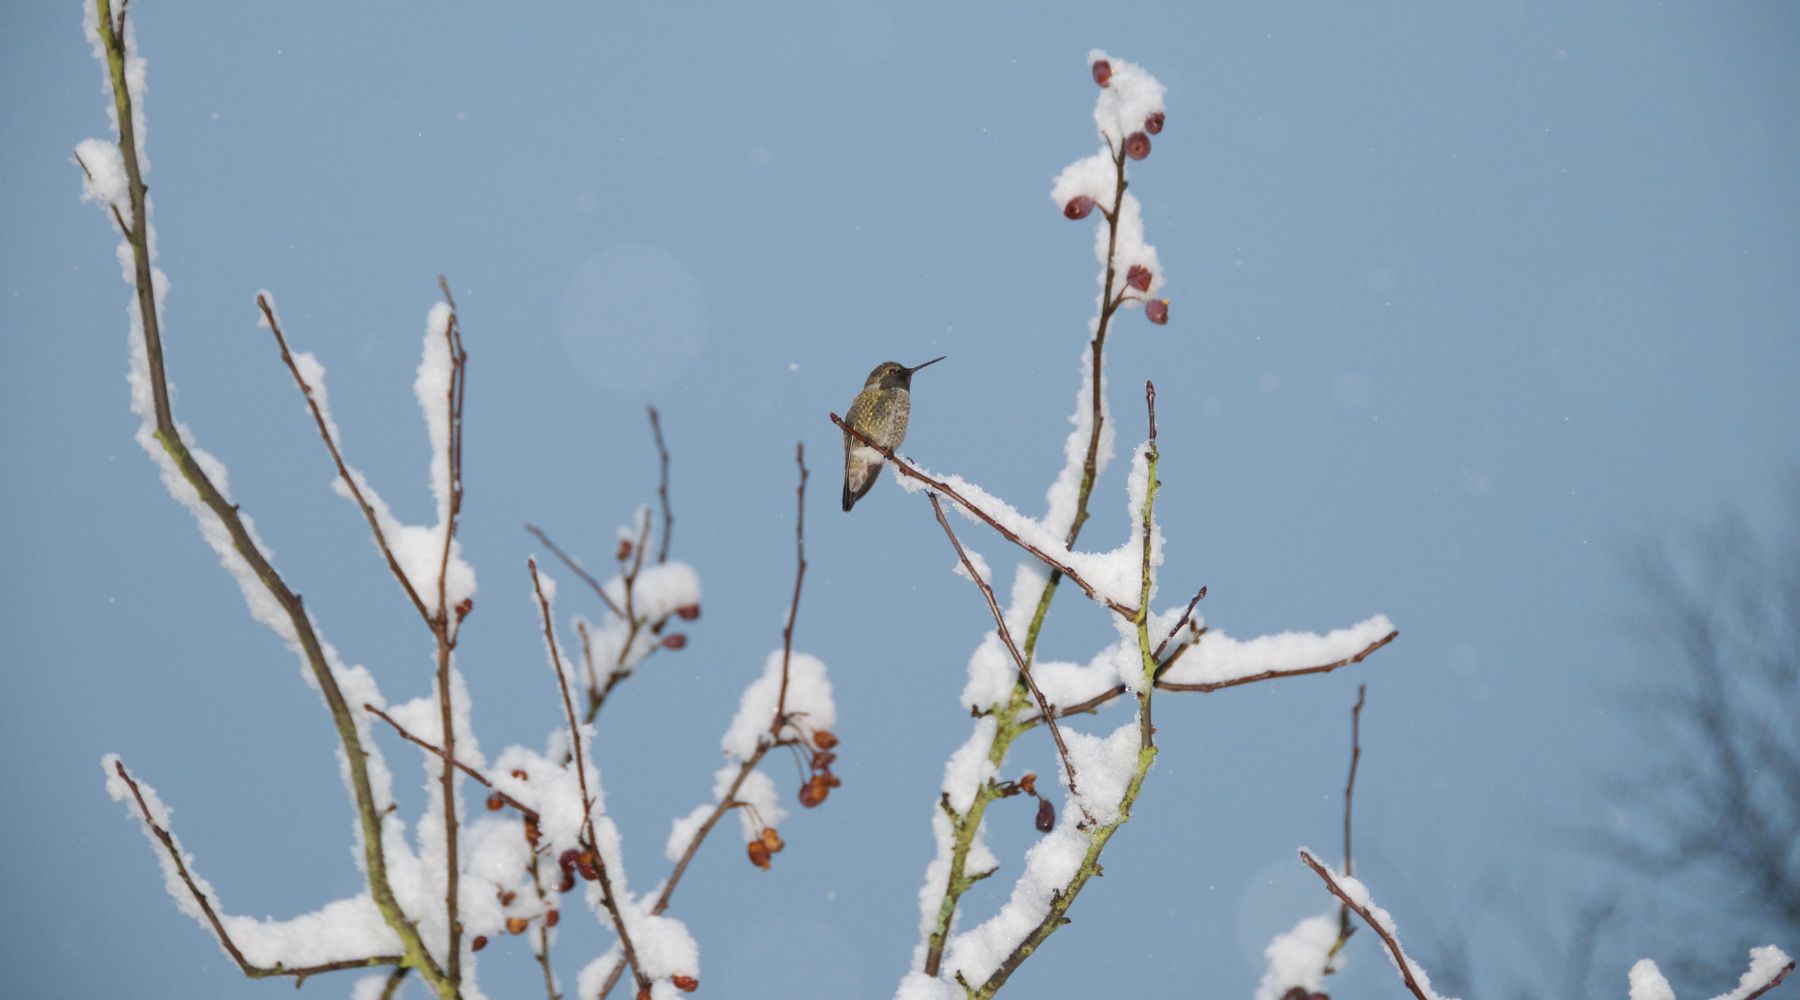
927	364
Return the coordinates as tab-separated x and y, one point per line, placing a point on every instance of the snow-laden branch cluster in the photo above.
438	892
1008	688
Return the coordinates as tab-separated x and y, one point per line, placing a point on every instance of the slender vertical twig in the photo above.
729	800
587	799
662	486
576	568
787	631
1345	927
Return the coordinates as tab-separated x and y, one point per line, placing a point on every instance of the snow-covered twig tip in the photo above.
1356	896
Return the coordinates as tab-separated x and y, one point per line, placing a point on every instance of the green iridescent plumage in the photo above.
880	412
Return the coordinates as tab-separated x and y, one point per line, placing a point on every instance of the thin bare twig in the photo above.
446	631
576	568
1181	622
1345	927
1404	964
787	631
587	800
729	800
429	747
1322	668
1111	693
726	803
662	486
1024	669
391	988
212	917
908	470
337	458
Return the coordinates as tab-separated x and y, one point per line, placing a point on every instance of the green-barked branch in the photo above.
168	436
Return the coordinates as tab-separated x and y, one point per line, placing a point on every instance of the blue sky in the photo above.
1469	300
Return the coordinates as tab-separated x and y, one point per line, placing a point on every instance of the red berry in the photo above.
686	984
1102	72
1078	207
1138	277
1154	123
479	942
1157	310
495	803
688	612
1137	145
674	640
1046	816
567	860
624	552
552	918
825	739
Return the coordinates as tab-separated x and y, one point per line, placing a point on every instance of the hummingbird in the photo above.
880	412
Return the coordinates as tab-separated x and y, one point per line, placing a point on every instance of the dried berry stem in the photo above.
587	799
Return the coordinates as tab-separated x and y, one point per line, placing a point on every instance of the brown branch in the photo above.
547	901
1345	928
787	631
337	458
1116	690
1024	669
1187	614
1771	984
576	568
587	800
212	917
124	230
1400	960
1322	668
725	804
1090	467
445	632
662	486
936	485
391	988
525	810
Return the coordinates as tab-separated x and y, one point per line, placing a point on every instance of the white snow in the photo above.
1765	962
808	704
1297	957
1647	982
1217	657
1130	97
1359	894
1103	768
105	181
